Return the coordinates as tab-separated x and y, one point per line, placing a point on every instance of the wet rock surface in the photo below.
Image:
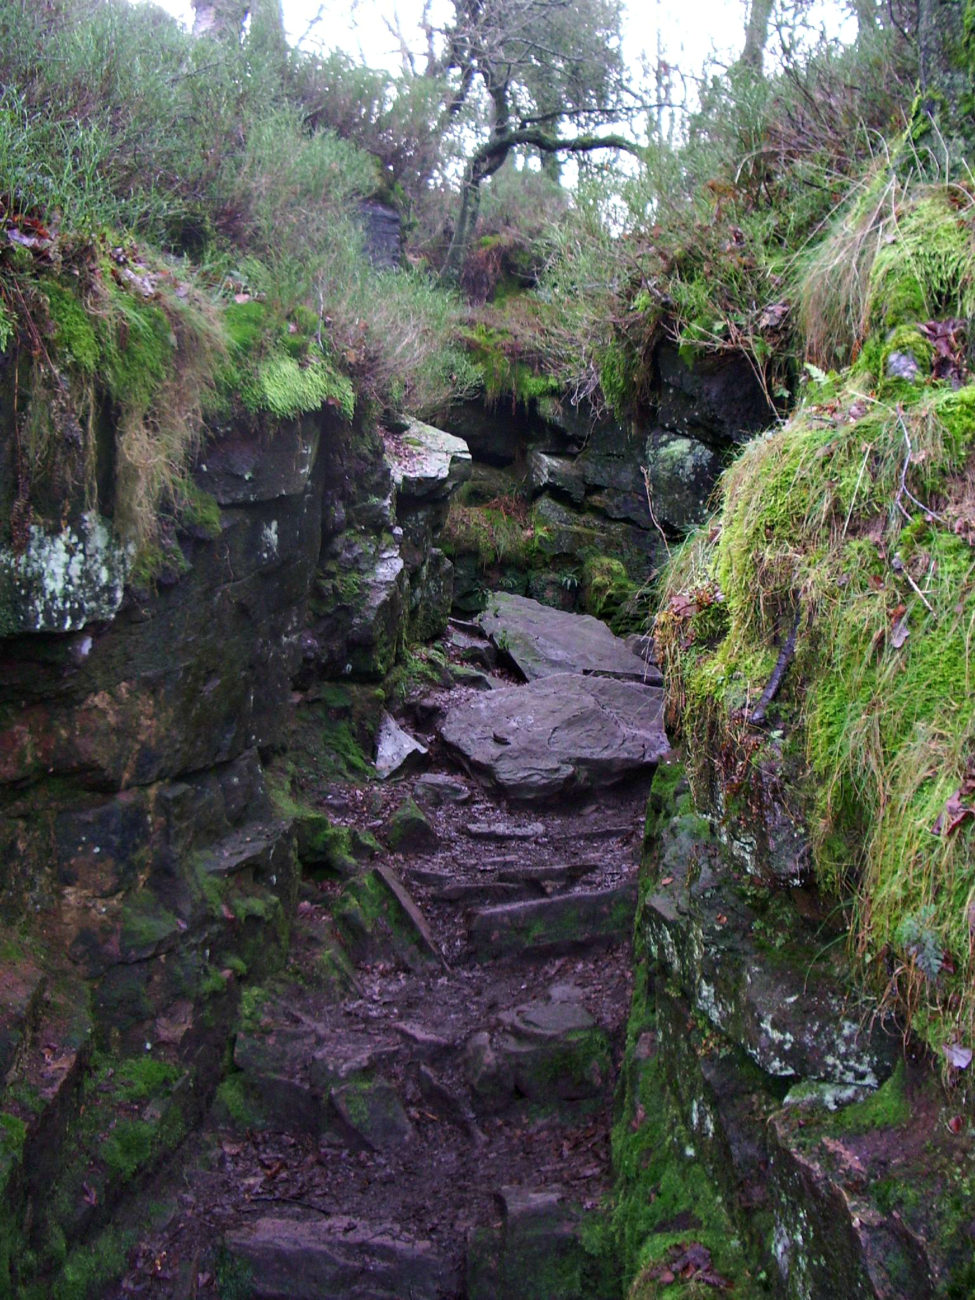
543	642
789	1086
559	735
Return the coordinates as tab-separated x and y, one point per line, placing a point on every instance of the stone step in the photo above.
549	1051
290	1073
560	875
300	1255
470	893
554	925
502	830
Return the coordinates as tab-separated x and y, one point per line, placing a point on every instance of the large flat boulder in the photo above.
543	641
426	463
559	734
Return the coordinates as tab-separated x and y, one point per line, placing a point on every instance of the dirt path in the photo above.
430	1119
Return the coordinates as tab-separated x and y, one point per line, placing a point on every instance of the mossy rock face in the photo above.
805	615
567	536
409	830
240	465
682	473
335	729
337	850
607	591
358	607
554	1053
377	921
664	1192
431	597
777	1107
717	399
700	930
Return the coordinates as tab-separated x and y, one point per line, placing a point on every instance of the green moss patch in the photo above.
278	366
852	530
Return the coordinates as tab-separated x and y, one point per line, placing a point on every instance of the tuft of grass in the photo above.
498	532
899	253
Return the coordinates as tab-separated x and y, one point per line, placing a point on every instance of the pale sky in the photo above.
689	30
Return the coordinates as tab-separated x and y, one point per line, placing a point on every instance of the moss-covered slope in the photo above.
818	631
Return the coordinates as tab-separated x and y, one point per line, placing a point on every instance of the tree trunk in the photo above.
943	129
756	35
267	33
470	202
222	19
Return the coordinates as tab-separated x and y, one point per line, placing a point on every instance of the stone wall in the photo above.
147	871
798	1124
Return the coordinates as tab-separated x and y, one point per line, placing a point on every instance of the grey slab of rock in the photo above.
397	752
553	925
557	472
497	830
425	462
474	679
470	892
306	1256
558	874
542	1020
543	641
559	735
422	1040
437	788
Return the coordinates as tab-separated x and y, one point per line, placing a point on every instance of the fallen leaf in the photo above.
955	812
667	880
958	1056
899	633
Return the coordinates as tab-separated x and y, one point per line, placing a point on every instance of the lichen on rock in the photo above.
63	580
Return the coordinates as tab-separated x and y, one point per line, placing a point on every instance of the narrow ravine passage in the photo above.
421	1105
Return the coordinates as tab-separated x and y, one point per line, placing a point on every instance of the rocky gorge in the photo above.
302	998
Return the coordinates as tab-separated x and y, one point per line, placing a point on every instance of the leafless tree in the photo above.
541	75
